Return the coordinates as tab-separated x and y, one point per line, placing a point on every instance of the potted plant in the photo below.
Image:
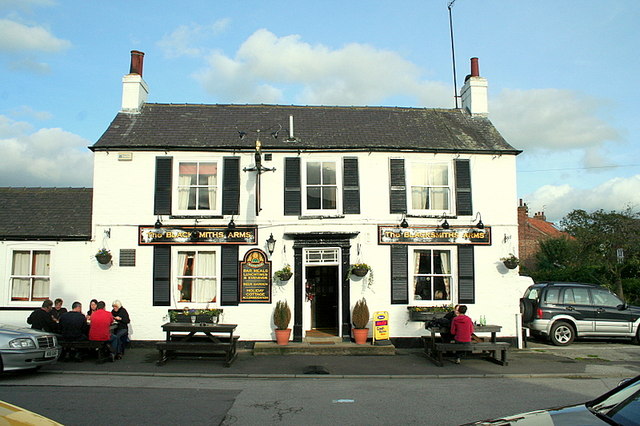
283	274
511	261
202	315
281	318
428	313
103	256
360	319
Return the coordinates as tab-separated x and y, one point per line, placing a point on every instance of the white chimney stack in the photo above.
134	88
474	93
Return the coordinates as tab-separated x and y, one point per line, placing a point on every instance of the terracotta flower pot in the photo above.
360	335
282	336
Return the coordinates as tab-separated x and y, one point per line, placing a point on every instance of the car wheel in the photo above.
562	333
527	309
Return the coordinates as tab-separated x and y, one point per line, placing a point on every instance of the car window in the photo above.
553	295
576	296
532	293
604	298
623	406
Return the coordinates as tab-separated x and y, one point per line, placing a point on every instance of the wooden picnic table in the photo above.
434	350
188	338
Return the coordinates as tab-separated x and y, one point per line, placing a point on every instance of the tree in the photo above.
601	238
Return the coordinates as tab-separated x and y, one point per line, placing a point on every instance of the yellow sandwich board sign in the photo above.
380	326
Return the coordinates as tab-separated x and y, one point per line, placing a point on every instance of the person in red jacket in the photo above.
461	328
99	329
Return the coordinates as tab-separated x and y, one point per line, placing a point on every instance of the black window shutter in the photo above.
161	276
463	188
230	185
162	200
351	187
292	190
398	190
399	275
229	276
466	275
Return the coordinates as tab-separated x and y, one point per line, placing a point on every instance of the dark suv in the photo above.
564	311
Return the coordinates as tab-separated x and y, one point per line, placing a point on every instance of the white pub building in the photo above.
185	196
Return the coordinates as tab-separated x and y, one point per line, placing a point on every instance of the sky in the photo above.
563	84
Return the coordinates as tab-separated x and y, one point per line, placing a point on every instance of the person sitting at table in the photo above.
447	336
100	328
121	331
41	319
461	328
73	327
57	309
93	306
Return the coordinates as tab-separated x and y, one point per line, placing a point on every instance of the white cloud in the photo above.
266	66
180	42
46	157
558	200
16	37
550	119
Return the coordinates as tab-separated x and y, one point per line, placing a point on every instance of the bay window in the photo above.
429	187
30	275
431	274
198	188
197	279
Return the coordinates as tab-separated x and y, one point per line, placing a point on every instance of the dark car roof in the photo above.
566	284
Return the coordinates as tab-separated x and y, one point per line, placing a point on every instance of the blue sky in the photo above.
562	76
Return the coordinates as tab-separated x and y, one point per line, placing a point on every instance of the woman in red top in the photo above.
461	328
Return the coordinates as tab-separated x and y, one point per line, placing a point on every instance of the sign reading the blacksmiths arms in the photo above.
246	235
255	277
388	234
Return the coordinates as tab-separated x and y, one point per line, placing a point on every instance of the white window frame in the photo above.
176	187
321	256
31	276
322	212
453	264
177	274
450	185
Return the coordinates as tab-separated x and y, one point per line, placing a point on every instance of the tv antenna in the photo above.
453	54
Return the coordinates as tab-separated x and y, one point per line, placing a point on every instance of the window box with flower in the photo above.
428	313
202	315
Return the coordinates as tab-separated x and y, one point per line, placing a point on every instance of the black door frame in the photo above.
319	240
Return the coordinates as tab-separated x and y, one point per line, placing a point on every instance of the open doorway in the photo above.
323	292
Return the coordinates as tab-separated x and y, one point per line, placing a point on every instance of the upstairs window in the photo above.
30	275
429	187
197	276
198	188
321	184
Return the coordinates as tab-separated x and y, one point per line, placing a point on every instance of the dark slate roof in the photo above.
216	127
45	213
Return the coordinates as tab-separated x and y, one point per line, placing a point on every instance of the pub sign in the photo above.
388	234
255	277
175	235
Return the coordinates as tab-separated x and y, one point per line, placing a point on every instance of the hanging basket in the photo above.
511	264
284	276
103	258
359	272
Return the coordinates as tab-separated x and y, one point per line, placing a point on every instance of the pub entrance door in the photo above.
323	291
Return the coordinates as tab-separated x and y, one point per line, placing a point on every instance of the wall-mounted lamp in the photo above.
444	224
107	233
479	225
231	224
271	244
404	223
158	223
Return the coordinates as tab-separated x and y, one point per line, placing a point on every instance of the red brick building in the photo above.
531	231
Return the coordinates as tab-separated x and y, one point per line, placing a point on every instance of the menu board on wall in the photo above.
255	277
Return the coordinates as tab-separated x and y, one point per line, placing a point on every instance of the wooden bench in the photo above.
489	348
100	347
225	345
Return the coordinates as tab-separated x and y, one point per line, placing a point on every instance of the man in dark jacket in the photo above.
40	319
73	327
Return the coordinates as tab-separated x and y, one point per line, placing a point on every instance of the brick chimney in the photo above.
540	215
474	93
134	88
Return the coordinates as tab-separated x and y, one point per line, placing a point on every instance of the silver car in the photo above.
26	348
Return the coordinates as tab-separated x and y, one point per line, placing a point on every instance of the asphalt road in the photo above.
80	399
